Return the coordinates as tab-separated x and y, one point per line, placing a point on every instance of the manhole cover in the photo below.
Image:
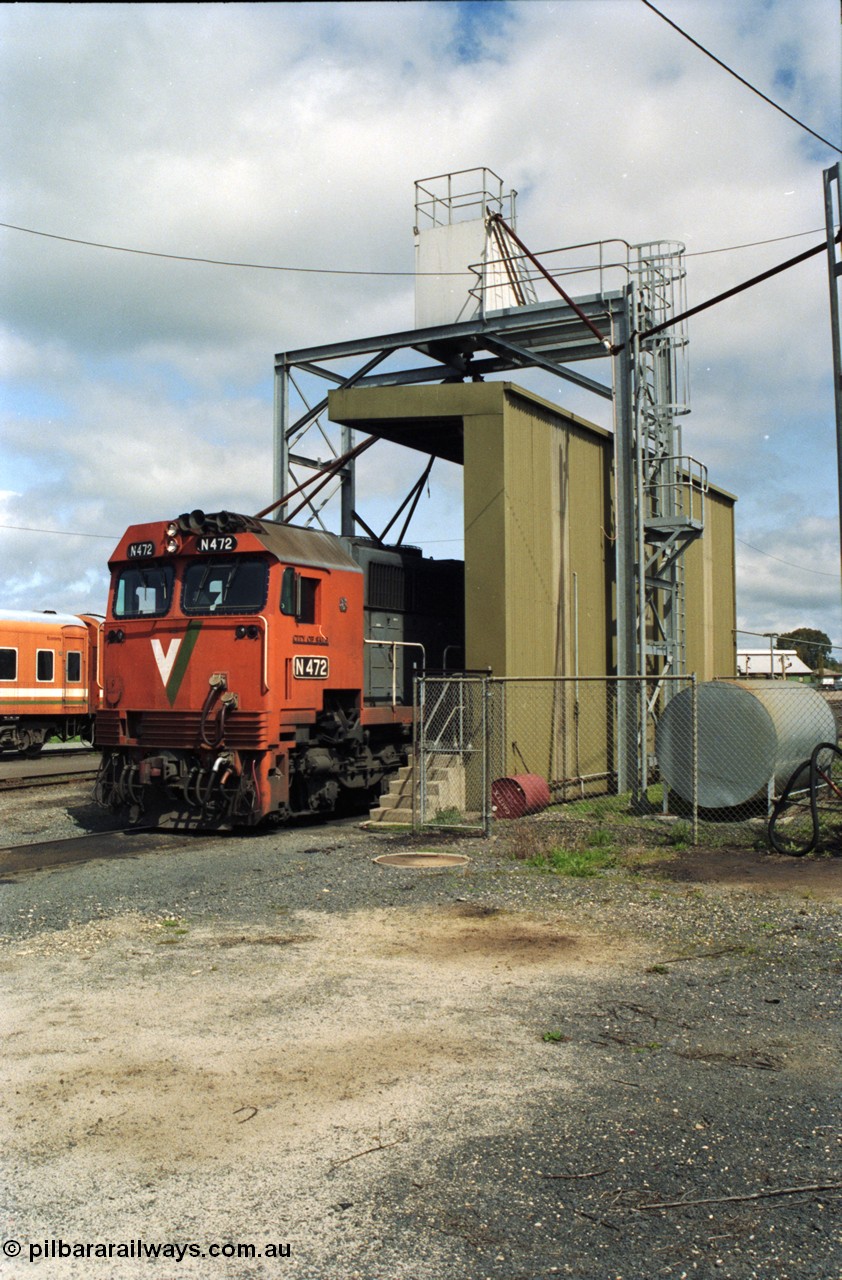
430	860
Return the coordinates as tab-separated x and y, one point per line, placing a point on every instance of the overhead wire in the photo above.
822	573
833	146
215	262
347	271
64	533
115	537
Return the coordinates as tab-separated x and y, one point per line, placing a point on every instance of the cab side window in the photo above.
299	596
308	596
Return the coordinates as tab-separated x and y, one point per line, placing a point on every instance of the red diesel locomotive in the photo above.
255	670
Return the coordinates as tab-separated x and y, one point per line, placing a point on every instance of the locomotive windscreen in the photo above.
229	585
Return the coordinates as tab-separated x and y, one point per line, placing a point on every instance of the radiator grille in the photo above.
244	730
107	730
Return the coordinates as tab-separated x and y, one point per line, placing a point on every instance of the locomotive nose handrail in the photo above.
400	644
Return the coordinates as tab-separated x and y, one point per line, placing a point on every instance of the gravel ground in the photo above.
370	1073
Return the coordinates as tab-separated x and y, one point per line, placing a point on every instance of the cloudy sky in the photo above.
137	387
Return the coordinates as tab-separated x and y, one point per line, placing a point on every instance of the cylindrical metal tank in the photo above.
748	733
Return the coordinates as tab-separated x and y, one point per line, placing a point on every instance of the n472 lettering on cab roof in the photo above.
217	542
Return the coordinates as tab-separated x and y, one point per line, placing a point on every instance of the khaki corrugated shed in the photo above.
539	553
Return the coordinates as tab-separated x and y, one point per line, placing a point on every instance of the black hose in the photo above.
214	692
808	778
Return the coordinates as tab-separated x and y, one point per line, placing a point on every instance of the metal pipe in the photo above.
329	473
326	473
738	288
496	217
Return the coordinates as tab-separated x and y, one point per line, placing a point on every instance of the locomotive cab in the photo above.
234	672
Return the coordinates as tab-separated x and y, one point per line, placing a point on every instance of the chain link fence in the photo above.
630	753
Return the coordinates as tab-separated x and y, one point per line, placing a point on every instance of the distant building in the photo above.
782	664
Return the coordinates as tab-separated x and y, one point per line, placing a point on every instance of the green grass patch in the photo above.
449	817
580	863
617	808
680	835
174	931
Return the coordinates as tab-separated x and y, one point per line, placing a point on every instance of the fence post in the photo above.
487	731
418	730
695	719
419	784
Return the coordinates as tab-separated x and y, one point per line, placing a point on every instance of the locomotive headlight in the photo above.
172	529
171	546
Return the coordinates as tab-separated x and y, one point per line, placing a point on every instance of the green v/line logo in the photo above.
173	663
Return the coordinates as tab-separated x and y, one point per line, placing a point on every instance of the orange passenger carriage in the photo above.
236	685
49	683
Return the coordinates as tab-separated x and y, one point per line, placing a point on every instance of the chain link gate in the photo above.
452	751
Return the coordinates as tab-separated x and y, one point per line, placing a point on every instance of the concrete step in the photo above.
400	804
403	799
392	817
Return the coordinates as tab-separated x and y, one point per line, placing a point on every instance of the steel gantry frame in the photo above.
659	491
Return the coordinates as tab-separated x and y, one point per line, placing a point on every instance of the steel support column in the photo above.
625	551
833	218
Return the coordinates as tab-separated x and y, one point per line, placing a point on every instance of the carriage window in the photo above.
143	592
44	665
74	667
233	585
8	664
298	596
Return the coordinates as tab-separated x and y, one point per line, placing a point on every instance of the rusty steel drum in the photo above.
516	796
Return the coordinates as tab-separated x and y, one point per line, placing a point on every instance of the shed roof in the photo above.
429	417
779	662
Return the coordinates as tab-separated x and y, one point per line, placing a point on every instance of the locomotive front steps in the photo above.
401	804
